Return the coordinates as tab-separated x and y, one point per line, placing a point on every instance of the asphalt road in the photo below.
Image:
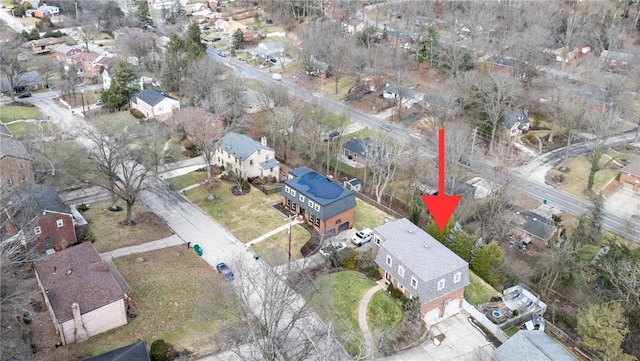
533	186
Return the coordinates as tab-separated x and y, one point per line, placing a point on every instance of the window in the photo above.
37	230
20	165
59	223
317	222
310	203
258	151
401	271
293	192
288	204
294	207
317	207
414	283
457	277
287	189
388	261
376	240
301	198
312	218
251	162
441	284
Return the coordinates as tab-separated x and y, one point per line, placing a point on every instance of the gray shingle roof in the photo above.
297	172
405	92
593	93
39	198
151	96
616	55
515	116
532	346
358	146
90	282
633	167
29	78
240	146
508	62
268	164
12	148
64	48
134	352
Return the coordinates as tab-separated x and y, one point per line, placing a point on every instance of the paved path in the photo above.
170	241
362	320
277	230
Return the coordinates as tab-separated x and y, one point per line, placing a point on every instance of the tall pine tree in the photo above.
123	86
142	13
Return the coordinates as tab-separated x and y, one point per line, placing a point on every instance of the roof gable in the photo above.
531	346
240	146
515	116
319	188
134	352
38	198
77	275
10	147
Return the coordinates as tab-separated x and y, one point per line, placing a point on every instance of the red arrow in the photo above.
441	206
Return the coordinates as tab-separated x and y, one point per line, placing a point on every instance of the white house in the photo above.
246	157
408	97
222	25
155	104
268	50
106	79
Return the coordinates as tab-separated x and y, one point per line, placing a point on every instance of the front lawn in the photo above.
275	249
186	180
478	291
336	299
29	129
578	175
109	234
9	113
177	297
383	314
247	217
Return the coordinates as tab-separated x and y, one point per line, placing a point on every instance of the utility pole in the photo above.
76	12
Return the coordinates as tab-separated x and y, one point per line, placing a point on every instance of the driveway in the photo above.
462	342
626	203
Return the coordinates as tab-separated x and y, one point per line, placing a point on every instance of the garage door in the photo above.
432	316
451	307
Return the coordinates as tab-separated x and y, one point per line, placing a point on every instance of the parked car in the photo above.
226	272
223	54
362	237
269	21
24	95
332	247
277	77
217	38
206	28
99	102
273	60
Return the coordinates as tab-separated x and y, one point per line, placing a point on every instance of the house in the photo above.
425	22
269	50
437	103
154	104
106	79
44	45
16	166
317	68
398	38
44	219
615	61
594	98
46	11
356	149
222	25
408	97
334	9
528	224
90	63
531	345
190	121
326	206
372	79
134	352
82	295
353	184
234	26
419	266
630	174
353	26
516	122
246	157
509	66
30	80
564	53
65	52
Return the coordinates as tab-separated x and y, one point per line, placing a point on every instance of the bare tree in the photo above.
137	44
272	95
11	66
383	157
203	82
46	142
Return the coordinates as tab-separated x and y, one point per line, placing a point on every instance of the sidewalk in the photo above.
170	241
362	321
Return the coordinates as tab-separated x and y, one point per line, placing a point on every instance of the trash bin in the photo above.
171	187
198	249
256	257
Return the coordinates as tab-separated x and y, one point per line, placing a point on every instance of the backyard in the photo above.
478	291
108	233
183	307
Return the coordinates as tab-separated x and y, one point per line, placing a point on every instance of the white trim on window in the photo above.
287	189
441	284
301	198
59	223
457	277
317	207
37	230
388	260
293	192
401	271
414	282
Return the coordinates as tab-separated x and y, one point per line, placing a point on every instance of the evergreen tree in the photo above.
462	244
489	263
123	86
435	232
238	39
415	207
142	13
193	36
603	329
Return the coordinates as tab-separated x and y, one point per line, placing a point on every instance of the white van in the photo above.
277	77
362	237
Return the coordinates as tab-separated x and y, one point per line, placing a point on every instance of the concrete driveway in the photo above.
625	202
463	342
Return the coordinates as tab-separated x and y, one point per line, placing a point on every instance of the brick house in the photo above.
372	79
420	266
64	53
594	98
327	206
630	174
155	104
44	45
509	66
246	157
516	122
37	211
615	61
82	295
16	166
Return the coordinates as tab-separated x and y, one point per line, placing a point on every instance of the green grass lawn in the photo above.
578	176
177	296
367	215
512	331
109	234
247	217
344	85
9	113
186	180
25	129
478	291
383	314
336	299
275	249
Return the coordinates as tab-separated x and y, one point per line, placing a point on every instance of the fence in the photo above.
374	203
485	322
267	190
569	342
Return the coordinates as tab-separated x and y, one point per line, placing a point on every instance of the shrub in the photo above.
136	113
89	237
245	185
531	139
347	259
83	207
394	292
159	351
373	273
265	180
411	309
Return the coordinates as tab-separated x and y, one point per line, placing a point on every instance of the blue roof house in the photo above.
246	157
326	206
